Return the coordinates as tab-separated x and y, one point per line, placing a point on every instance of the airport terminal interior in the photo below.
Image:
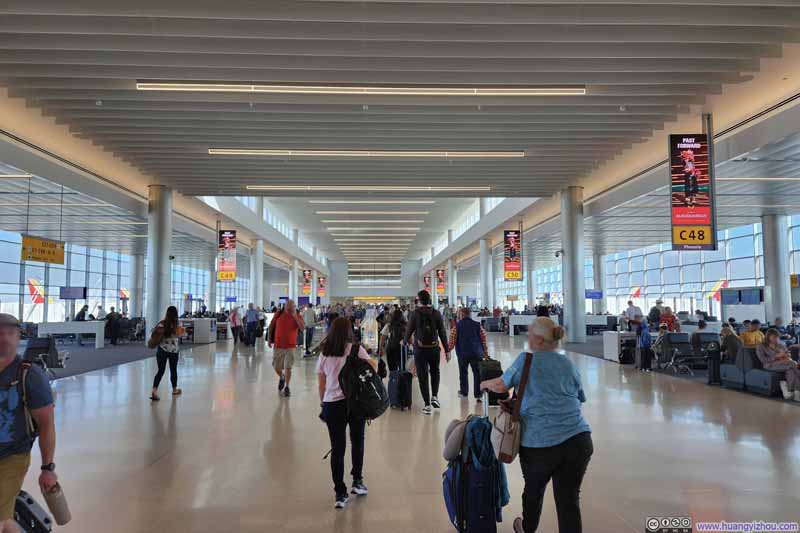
626	172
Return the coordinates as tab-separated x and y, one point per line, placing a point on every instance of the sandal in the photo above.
177	392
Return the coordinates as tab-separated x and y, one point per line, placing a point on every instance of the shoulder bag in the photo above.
507	429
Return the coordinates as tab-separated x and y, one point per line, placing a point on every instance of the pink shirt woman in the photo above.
330	368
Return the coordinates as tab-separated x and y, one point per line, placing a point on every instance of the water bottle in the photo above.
57	503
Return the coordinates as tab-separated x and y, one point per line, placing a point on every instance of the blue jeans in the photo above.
309	338
250	333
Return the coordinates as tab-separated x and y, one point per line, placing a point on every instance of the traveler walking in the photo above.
392	339
26	412
336	347
469	341
283	336
556	441
166	337
426	326
251	323
236	326
310	319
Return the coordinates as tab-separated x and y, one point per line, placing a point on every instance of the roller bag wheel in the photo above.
491	369
400	383
30	516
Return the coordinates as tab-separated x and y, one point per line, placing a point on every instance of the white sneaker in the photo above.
427	410
787	394
435	403
797	395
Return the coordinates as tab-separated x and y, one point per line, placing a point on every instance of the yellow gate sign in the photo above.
692	237
43	250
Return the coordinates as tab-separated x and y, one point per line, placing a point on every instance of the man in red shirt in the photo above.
284	337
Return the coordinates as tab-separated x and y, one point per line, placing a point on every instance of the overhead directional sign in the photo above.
692	193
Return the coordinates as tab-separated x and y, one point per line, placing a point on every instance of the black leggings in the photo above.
161	358
336	417
427	362
393	354
566	465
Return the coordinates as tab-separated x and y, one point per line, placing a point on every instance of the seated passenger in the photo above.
781	329
774	355
753	336
697	344
556	440
730	343
671	321
658	344
81	316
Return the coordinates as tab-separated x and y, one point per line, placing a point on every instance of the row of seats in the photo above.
677	353
747	373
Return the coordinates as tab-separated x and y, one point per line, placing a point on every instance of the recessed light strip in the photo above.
376	188
329	221
388	228
758	179
373	234
371	264
362	90
375	202
445	154
373	240
383	213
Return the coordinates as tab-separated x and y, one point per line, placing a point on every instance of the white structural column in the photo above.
212	284
293	273
492	288
530	280
452	283
486	268
599	276
313	296
137	290
574	283
778	293
159	250
482	207
257	272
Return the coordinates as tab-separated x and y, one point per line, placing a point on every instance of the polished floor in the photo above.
231	456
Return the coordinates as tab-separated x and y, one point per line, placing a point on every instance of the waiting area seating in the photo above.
747	373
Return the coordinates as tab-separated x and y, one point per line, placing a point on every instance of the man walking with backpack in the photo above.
426	326
26	412
283	335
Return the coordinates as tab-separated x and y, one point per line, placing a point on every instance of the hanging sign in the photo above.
321	283
42	250
512	258
440	281
226	256
692	198
426	281
306	282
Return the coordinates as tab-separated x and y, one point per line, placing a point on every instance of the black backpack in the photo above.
426	333
362	386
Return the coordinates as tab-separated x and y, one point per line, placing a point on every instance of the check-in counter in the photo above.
612	343
76	327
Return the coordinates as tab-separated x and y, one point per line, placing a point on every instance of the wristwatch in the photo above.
51	467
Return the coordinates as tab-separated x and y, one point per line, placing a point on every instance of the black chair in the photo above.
680	353
42	351
732	373
492	324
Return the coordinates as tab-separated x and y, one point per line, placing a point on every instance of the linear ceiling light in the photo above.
375	202
17	177
352	221
383	213
373	240
388	228
362	90
375	188
267	152
372	264
373	234
758	179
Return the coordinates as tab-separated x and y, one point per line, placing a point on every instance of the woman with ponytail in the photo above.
556	440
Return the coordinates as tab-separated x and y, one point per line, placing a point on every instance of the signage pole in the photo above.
708	129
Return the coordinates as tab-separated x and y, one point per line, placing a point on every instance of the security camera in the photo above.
172	258
559	253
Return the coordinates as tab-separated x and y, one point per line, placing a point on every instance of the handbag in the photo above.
156	336
506	428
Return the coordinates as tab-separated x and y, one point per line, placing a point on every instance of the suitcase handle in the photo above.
485	402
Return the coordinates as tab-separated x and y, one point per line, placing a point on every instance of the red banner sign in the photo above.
321	284
440	281
226	256
426	280
307	282
512	255
692	191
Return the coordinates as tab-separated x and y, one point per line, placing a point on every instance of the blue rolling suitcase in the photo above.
470	494
400	383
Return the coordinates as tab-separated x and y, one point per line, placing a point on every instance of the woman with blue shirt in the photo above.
556	441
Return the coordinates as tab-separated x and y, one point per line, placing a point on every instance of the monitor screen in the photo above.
72	293
751	296
730	297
